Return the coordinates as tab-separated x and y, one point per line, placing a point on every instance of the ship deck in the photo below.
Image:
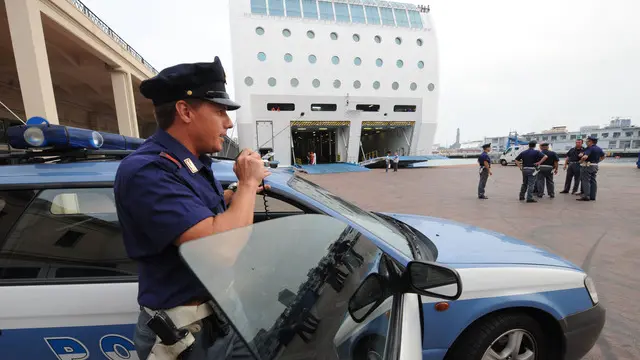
601	236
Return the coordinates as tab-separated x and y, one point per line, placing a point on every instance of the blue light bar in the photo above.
38	133
120	142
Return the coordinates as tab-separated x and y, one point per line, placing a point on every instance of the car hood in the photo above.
462	244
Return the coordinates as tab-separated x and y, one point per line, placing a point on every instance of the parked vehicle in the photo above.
381	285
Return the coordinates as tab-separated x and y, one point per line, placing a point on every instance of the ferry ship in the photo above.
346	80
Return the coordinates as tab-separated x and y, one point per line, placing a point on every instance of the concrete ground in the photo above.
603	237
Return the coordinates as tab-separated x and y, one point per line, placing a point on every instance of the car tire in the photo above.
494	331
503	162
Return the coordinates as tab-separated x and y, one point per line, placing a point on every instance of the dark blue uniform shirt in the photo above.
162	190
594	152
484	157
552	157
573	154
529	157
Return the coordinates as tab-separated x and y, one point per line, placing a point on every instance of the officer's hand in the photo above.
555	172
490	173
249	167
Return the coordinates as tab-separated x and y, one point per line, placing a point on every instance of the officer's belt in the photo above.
182	317
546	166
185	315
587	163
529	167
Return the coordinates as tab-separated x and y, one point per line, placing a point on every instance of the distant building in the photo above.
619	135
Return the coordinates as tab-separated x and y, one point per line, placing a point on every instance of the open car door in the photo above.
306	286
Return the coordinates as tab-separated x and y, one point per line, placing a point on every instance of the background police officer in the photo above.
572	166
166	194
548	168
527	161
589	169
485	170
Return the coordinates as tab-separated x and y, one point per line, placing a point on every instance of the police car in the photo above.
318	277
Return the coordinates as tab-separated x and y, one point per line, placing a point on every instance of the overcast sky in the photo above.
503	65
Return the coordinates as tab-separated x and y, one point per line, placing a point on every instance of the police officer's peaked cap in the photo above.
544	144
592	138
532	143
205	81
486	146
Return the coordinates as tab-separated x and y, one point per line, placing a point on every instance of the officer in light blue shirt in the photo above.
589	161
167	194
485	170
528	161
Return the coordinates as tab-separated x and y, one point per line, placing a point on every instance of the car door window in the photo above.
68	235
288	288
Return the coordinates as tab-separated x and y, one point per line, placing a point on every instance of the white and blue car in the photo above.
316	276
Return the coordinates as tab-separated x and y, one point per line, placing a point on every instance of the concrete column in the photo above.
125	103
355	131
32	62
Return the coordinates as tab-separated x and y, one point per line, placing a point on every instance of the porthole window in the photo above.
272	81
395	85
295	82
379	62
431	87
356	37
286	32
316	83
376	85
420	64
288	57
414	86
419	42
259	31
335	60
312	59
400	63
398	41
357	84
334	36
337	84
311	34
248	81
378	39
357	61
262	56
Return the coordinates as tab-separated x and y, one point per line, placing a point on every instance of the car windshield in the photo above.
277	280
373	223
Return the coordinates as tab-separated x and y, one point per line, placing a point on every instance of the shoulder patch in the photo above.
170	158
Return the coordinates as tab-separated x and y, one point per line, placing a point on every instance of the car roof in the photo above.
95	173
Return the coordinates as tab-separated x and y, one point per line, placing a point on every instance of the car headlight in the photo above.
591	289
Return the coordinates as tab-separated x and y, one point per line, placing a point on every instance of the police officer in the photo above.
167	194
485	170
589	160
547	169
527	161
572	166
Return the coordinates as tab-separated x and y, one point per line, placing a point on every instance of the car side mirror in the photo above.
369	295
431	279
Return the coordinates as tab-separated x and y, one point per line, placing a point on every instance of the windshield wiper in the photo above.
407	231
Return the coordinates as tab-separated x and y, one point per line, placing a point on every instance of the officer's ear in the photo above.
186	110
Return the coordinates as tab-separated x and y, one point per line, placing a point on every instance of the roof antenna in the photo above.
14	114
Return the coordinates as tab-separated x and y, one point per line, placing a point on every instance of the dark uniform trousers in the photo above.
573	172
545	175
227	347
528	183
589	182
484	176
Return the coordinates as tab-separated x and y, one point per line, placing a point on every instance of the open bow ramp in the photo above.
331	168
405	161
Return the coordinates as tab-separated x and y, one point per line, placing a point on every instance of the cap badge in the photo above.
190	165
189	92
